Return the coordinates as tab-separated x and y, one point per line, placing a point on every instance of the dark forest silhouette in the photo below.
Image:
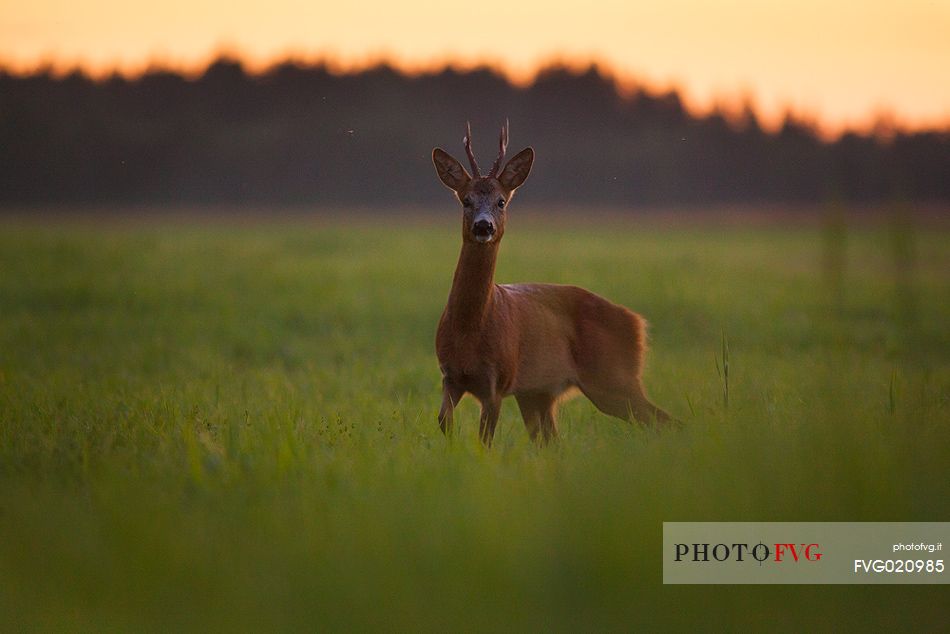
303	136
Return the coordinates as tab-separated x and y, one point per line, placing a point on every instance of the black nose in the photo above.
483	228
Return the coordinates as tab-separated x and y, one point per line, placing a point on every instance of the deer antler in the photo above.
468	150
502	147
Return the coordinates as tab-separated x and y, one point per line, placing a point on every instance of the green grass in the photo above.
232	426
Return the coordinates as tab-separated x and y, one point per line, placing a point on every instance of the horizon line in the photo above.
731	105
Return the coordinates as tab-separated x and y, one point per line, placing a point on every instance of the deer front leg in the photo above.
490	412
450	398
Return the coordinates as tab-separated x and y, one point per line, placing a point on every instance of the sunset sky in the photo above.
842	63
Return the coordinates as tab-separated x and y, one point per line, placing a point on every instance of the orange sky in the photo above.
839	62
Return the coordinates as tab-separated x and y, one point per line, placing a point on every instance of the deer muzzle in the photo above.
483	229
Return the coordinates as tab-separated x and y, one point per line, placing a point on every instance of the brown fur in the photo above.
538	342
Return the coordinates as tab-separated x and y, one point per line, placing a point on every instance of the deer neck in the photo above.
472	295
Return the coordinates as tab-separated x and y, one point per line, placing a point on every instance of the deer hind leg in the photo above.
609	359
538	412
616	390
629	404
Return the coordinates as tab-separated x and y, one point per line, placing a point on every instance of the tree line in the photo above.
302	135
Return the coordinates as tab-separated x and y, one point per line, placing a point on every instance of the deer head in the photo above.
484	198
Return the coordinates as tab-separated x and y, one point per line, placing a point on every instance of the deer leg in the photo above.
490	412
549	423
630	405
648	413
451	395
537	410
531	412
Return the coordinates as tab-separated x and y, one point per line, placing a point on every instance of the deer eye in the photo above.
501	203
467	202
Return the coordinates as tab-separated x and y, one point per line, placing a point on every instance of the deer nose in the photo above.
483	228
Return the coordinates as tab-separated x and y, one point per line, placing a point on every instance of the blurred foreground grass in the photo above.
231	426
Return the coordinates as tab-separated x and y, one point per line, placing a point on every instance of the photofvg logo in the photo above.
760	552
803	552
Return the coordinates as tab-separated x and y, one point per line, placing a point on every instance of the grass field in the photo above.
220	425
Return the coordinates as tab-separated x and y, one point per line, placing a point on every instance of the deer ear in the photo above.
517	169
450	171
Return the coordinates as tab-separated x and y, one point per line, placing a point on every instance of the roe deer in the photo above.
539	342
